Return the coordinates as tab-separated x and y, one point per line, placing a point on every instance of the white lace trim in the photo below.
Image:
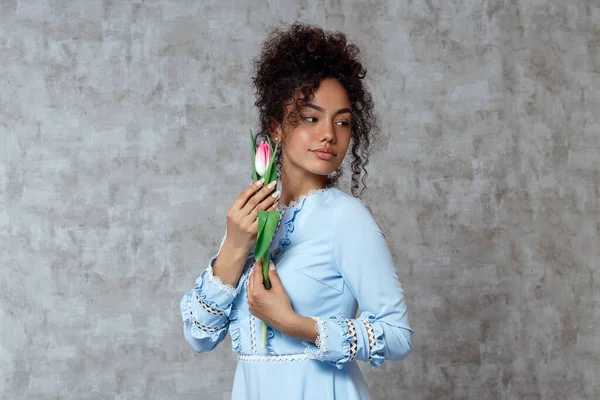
252	318
205	328
294	204
321	341
252	335
274	358
372	338
221	286
354	342
208	308
200	326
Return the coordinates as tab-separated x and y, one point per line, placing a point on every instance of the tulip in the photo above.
268	221
262	158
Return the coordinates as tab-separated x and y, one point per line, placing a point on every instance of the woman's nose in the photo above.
328	132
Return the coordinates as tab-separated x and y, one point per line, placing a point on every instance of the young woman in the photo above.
329	256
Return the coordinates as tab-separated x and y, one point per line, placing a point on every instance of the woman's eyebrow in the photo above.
321	109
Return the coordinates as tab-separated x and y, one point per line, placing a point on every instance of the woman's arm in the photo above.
382	330
206	308
230	263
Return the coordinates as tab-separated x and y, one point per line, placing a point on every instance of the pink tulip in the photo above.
262	159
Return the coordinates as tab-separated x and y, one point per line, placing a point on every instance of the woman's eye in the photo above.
343	123
310	119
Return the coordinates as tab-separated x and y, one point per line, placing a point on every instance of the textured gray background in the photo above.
124	139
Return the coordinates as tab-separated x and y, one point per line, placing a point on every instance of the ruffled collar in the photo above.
296	204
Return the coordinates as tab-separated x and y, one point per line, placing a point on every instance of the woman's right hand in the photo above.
242	217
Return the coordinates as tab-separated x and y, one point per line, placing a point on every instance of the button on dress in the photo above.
334	262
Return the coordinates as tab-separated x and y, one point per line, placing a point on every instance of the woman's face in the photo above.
318	144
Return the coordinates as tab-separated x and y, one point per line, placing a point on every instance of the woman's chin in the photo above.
322	172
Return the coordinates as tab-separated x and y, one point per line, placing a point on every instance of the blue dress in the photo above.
333	260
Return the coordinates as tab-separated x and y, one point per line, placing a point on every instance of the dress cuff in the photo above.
336	343
216	294
341	340
374	336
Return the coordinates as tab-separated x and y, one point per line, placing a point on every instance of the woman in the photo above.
329	256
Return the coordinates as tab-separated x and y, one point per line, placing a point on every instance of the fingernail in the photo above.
271	266
276	194
260	182
276	204
272	184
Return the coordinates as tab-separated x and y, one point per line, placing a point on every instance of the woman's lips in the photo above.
323	155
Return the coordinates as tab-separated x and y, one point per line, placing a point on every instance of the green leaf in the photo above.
266	233
259	247
254	174
268	176
273	176
265	270
271	173
262	220
274	168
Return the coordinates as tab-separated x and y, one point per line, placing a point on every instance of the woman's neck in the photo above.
293	188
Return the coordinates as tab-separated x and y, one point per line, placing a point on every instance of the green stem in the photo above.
267	283
265	270
264	334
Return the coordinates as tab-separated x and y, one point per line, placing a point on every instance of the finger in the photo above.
270	203
274	276
258	197
250	191
254	227
257	276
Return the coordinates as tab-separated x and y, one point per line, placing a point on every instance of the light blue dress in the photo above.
333	259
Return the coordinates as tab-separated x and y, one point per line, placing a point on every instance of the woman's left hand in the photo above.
271	306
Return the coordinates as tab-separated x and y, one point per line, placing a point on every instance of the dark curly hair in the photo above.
298	58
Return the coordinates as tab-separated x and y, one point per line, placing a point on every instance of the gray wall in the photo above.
124	139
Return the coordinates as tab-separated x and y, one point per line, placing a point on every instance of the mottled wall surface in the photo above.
121	129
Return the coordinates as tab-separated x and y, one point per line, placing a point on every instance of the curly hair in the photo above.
298	59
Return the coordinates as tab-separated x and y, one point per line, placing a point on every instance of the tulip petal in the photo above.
262	159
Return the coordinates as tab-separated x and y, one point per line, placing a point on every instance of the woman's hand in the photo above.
242	217
271	306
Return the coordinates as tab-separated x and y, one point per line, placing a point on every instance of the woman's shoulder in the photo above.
347	207
351	218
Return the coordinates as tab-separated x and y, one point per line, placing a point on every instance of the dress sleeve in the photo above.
206	308
382	330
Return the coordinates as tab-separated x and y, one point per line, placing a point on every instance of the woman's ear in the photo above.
275	133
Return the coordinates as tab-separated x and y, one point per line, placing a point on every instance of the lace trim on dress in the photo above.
209	329
274	358
251	318
320	342
372	338
252	335
294	204
198	324
354	342
208	308
221	286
